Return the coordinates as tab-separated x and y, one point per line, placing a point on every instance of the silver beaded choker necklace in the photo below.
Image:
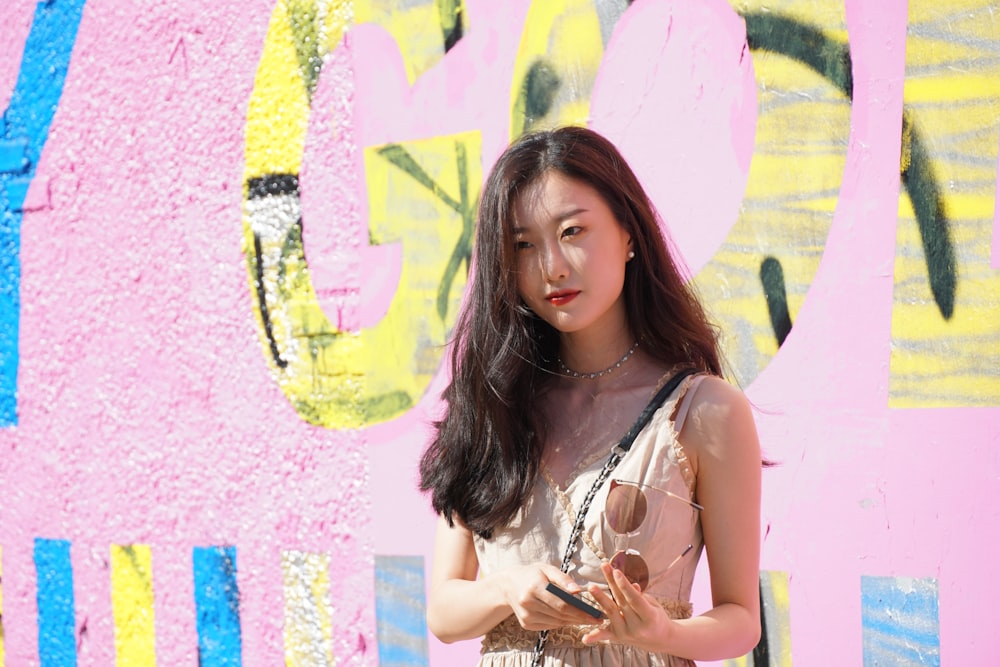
593	376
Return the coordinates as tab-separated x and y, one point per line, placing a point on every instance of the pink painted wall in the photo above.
148	412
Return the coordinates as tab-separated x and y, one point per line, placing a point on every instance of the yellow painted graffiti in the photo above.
132	605
345	379
946	354
277	120
786	214
278	111
421	196
556	65
333	377
743	661
416	27
775	647
776	608
308	611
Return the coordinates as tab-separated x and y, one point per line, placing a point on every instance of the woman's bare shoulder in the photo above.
719	422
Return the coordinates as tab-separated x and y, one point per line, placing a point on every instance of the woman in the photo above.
576	316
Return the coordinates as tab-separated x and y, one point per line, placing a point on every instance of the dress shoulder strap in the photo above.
684	407
658	400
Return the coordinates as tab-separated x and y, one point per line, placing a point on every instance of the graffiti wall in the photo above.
235	236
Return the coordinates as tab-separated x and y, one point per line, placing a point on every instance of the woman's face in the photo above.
571	256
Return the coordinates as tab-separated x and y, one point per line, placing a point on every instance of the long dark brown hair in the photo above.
484	460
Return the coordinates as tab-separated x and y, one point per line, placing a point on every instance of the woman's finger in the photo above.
602	598
562	599
539	616
615	626
613	585
559	578
628	595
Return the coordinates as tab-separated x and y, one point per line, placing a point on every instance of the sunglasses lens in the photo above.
633	567
626	507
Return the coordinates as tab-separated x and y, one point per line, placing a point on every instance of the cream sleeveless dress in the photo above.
658	463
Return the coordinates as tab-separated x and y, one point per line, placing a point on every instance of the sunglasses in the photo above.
624	511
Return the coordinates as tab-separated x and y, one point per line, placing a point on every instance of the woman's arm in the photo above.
460	607
721	440
464	607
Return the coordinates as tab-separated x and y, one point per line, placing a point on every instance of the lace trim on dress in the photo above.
509	635
570	512
586	462
685	465
679	453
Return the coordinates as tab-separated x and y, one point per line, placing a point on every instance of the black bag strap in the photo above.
617	454
654	405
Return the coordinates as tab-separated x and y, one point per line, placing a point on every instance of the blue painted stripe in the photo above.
16	189
881	650
56	608
394	654
217	603
899	621
14	155
891	625
400	611
24	127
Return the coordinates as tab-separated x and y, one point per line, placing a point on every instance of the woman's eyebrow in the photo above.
569	214
561	217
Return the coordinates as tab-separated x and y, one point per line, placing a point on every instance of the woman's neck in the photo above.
590	357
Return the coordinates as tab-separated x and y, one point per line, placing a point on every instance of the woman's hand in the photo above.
536	608
633	618
462	605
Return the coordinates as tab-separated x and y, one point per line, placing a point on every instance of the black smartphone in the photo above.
582	605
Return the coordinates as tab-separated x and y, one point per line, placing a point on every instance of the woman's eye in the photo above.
522	245
572	231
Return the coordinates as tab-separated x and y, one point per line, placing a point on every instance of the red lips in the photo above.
561	298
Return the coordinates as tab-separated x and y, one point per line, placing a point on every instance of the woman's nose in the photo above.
554	265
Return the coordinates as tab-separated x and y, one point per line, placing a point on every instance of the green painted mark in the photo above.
932	218
804	43
452	13
772	277
398	156
538	92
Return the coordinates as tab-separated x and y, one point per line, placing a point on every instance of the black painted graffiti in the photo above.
451	14
786	36
270	185
772	278
538	92
928	207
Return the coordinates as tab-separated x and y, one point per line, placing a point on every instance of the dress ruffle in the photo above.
509	635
